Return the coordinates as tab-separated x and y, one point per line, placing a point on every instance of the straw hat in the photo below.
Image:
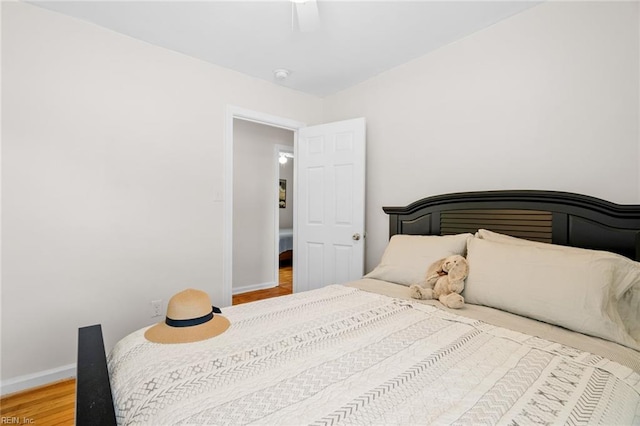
190	318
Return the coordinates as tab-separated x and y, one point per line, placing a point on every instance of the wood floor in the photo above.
54	404
285	287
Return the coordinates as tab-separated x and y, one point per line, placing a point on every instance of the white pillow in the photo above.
407	257
573	288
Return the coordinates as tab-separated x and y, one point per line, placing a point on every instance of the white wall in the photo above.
255	171
112	159
547	99
112	152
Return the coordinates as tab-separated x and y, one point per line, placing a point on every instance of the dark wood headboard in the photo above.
549	216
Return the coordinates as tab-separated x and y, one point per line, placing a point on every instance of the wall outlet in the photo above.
156	308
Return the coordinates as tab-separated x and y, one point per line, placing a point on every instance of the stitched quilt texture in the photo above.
339	355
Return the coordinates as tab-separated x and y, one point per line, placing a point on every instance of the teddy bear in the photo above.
444	281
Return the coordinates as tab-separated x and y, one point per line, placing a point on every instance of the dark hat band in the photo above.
189	322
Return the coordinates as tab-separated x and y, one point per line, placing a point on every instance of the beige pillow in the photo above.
572	288
626	282
407	257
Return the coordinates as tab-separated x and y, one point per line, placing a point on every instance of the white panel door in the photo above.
330	204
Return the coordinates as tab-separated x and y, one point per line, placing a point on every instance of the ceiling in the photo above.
355	40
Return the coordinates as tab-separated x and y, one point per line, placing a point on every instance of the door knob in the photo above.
356	236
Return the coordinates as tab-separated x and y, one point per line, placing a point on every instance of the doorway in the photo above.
251	213
328	225
262	207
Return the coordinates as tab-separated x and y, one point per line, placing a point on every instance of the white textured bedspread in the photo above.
340	355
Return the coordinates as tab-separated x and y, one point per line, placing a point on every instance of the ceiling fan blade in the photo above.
308	18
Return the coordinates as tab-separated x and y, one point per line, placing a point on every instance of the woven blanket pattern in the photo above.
339	355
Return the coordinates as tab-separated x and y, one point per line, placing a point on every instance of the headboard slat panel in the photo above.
530	224
512	214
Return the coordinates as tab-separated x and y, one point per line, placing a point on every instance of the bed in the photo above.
366	353
285	239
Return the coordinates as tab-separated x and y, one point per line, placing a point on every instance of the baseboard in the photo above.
254	287
28	381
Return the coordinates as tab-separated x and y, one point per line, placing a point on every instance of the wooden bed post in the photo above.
94	402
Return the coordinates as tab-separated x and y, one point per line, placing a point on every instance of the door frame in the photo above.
232	113
277	149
